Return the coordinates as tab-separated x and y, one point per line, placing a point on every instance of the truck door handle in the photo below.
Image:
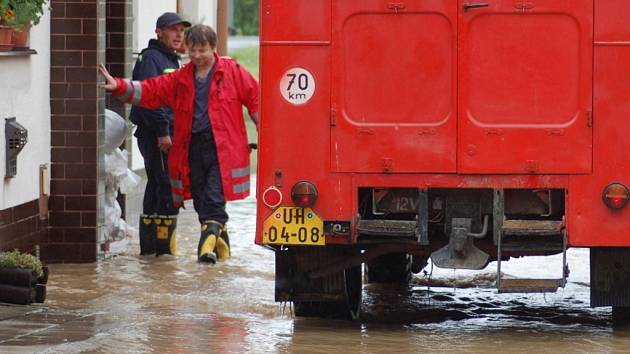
468	6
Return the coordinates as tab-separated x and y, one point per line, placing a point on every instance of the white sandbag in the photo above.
115	131
118	177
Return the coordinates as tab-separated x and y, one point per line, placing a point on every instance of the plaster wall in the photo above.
200	11
146	13
25	95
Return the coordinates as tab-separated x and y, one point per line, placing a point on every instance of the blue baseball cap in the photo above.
168	19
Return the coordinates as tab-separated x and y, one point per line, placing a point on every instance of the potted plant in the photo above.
22	278
7	16
27	14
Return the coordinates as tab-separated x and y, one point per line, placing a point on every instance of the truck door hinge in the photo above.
396	6
589	119
333	117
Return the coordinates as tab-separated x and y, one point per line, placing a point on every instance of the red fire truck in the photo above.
466	131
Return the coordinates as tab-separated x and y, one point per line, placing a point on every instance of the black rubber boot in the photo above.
223	245
208	241
147	235
166	241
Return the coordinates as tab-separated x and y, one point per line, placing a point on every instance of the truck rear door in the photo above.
525	86
394	86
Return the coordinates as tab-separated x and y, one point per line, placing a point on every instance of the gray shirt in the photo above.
201	116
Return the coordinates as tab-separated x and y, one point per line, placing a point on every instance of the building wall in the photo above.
200	11
25	94
146	13
77	130
118	55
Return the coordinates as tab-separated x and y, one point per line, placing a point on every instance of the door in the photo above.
394	86
525	93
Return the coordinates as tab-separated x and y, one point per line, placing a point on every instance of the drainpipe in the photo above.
222	26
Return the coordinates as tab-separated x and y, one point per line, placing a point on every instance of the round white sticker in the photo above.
297	86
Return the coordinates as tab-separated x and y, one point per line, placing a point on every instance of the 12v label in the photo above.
297	86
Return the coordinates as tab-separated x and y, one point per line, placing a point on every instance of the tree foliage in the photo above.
246	16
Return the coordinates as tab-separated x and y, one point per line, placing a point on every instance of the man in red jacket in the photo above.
209	159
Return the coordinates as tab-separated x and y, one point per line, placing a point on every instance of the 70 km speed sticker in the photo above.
297	86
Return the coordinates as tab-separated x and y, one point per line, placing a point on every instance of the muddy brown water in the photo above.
133	304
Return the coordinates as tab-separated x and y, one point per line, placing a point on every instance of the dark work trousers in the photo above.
158	198
205	179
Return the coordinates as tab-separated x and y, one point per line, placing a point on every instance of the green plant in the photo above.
17	259
27	12
7	15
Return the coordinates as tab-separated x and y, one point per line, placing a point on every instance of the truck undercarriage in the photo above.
399	229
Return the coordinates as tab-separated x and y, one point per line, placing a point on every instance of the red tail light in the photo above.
304	194
616	196
272	197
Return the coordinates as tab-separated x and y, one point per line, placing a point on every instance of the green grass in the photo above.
248	57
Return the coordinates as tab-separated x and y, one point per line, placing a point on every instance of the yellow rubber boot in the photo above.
208	242
147	235
165	234
173	244
223	246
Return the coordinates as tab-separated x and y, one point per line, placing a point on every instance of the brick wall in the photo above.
77	122
118	43
119	22
21	228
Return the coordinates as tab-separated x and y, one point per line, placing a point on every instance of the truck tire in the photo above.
389	268
349	309
620	317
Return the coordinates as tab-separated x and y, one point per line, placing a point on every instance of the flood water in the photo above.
133	304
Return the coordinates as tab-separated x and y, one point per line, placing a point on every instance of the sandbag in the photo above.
116	129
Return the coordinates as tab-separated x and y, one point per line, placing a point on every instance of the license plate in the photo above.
293	226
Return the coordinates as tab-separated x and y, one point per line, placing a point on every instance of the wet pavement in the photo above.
133	304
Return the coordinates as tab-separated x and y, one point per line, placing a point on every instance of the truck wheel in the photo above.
306	308
620	317
389	268
348	309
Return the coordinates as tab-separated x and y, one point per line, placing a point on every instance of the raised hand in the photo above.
110	84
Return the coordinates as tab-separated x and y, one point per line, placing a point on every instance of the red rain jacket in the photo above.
231	88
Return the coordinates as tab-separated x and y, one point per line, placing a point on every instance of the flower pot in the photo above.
6	34
16	276
39	295
44	278
19	39
12	294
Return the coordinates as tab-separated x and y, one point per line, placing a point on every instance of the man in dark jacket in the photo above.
154	131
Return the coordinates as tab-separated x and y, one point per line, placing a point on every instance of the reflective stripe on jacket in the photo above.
231	88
